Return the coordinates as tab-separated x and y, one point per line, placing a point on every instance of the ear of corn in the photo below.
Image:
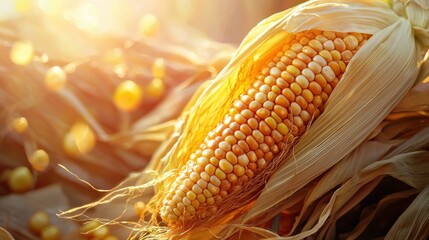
369	89
272	113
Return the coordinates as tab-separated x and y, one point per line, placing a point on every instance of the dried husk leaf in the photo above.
414	222
379	75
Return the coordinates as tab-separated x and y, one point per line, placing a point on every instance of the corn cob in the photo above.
285	97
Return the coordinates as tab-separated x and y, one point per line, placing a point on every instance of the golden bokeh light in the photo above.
149	25
20	124
55	78
128	96
39	160
22	52
79	140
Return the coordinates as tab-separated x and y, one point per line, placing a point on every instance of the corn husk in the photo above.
345	154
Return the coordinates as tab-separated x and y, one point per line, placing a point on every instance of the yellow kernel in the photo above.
207	193
276	117
158	68
210	200
156	88
239	170
315	67
304	58
148	25
339	44
320	60
296	47
329	45
336	55
290	54
269	80
225	166
201	198
346	55
55	78
213	189
280	111
261	163
190	209
351	42
186	201
264	128
321	38
243	160
20	180
191	195
194	177
263	113
295	108
283	129
316	45
50	233
215	180
258	136
305	116
39	160
296	88
329	35
326	55
197	189
302	81
307	50
299	64
79	140
38	221
20	124
231	157
21	52
328	73
128	96
205	176
231	140
275	72
287	76
308	74
308	95
294	71
271	122
210	169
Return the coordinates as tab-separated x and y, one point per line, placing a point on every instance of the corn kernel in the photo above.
128	96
